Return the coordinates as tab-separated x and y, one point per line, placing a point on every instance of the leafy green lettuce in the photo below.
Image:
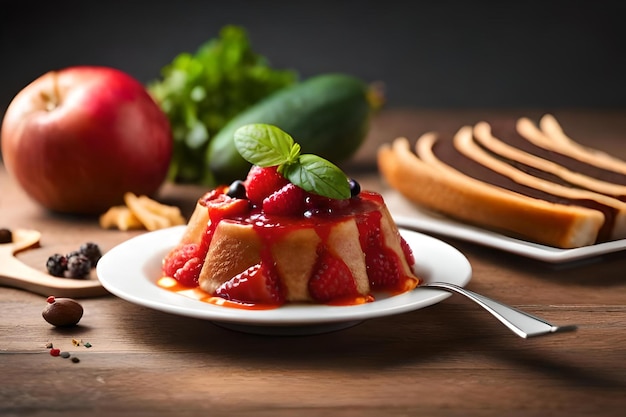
201	92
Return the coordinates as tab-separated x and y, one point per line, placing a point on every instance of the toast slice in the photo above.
428	178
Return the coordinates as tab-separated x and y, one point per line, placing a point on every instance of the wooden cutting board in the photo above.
15	273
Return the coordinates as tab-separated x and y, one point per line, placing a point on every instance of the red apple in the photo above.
77	139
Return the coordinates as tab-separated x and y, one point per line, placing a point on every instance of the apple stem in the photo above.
52	100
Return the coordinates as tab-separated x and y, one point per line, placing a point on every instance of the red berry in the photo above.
261	182
287	201
55	352
331	280
382	268
408	252
189	273
383	265
183	264
258	284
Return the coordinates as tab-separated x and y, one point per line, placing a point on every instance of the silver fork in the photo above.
522	324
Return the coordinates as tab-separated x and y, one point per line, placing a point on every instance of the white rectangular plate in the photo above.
410	216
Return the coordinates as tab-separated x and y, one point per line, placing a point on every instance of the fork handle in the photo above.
523	324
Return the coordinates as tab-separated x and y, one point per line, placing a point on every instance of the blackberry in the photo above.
355	187
56	265
91	251
237	190
72	253
78	266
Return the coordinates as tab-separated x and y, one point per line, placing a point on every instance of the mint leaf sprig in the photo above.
267	145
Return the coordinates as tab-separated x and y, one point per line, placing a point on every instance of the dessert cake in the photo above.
266	241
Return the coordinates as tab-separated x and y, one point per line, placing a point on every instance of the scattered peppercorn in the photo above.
64	354
6	236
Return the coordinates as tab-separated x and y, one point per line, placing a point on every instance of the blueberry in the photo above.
78	266
355	187
237	190
91	251
56	265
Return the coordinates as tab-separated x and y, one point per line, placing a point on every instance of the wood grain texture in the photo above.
450	359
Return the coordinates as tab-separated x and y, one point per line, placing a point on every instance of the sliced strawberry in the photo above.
261	182
183	264
212	195
287	201
223	206
256	285
332	279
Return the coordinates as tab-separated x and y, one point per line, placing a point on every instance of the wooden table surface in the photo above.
451	358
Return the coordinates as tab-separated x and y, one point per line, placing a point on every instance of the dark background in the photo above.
472	54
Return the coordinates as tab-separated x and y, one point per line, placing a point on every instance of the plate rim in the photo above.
169	302
421	220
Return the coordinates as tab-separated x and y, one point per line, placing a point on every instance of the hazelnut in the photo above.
62	312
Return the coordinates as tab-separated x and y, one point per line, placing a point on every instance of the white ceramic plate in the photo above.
412	217
131	269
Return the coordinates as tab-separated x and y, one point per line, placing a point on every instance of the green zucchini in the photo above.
328	115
